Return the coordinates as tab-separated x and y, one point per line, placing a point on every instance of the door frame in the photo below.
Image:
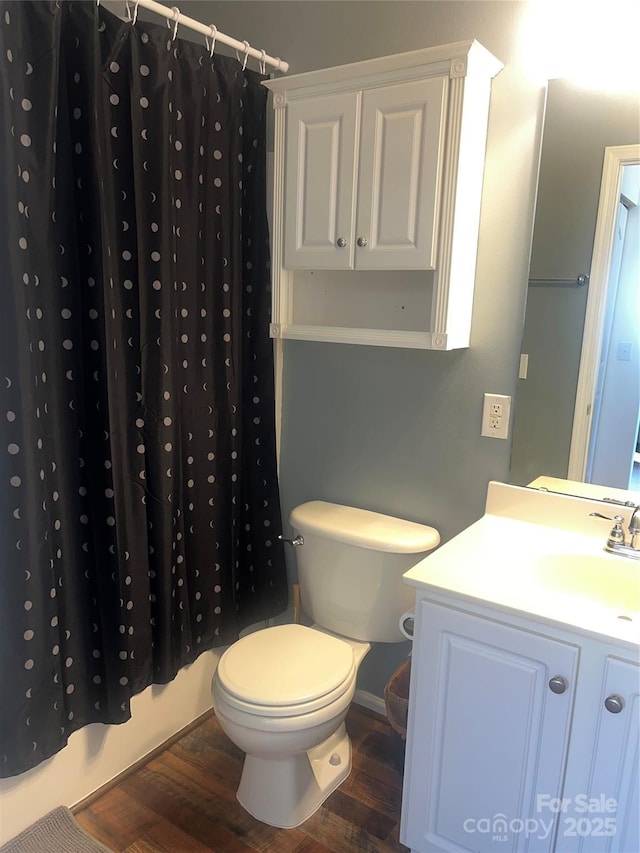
615	159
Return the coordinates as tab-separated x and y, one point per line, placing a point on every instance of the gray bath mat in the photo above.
56	832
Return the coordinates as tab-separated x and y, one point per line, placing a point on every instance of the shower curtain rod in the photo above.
173	14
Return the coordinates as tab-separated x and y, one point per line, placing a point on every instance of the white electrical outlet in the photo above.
495	416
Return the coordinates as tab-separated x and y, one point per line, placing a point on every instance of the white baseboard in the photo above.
370	701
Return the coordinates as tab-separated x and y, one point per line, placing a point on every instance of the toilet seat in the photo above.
285	671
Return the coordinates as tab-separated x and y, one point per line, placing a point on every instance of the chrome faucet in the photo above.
617	541
634	530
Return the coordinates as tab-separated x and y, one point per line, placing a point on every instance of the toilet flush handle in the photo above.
298	540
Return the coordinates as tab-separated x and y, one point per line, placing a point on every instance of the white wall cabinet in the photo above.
361	178
521	737
378	170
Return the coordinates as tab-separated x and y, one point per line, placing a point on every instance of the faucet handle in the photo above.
616	537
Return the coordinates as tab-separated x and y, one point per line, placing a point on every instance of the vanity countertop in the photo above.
541	554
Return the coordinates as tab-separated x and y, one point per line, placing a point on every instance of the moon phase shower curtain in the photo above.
139	502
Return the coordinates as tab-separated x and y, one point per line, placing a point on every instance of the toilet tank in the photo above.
350	568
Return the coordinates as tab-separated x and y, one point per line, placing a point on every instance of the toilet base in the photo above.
285	791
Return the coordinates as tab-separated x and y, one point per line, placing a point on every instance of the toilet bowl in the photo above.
281	694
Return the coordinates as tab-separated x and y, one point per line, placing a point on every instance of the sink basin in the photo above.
600	579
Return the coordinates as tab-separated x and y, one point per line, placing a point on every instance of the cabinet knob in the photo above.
341	242
615	704
362	242
558	684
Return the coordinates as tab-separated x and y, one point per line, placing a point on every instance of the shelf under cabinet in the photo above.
378	308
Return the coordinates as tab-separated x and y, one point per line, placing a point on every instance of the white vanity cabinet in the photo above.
522	737
378	170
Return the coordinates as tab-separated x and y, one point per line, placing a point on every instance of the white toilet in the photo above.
281	694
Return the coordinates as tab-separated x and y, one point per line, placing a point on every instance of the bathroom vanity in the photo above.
524	712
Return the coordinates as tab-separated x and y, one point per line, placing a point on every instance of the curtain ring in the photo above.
247	48
279	63
174	17
263	62
131	17
213	30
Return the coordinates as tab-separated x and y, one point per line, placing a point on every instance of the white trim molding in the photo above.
370	701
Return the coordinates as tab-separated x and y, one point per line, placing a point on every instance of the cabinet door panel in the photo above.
486	733
319	182
590	823
399	171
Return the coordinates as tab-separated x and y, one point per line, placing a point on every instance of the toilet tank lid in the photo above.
363	528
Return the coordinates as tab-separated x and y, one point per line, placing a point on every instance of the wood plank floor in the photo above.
183	801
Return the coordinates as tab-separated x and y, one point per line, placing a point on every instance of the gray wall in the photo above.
394	430
579	125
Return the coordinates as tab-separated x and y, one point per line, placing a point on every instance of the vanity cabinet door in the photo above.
602	809
320	181
489	718
401	142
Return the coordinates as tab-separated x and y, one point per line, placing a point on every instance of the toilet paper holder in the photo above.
407	624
